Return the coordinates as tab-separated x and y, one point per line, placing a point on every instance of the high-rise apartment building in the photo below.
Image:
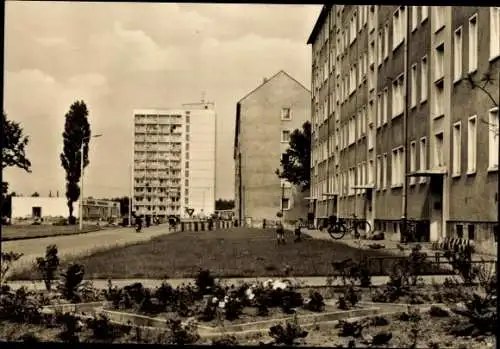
174	161
265	119
394	114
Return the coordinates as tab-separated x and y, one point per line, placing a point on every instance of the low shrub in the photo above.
225	341
71	281
316	302
48	265
7	260
379	321
287	334
205	282
349	299
438	312
71	328
350	328
182	334
102	330
19	306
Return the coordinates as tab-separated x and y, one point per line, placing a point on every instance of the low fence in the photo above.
433	265
206	225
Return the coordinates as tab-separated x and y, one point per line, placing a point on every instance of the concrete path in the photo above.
390	245
312	281
80	244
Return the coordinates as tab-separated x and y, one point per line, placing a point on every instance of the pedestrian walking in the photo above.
298	229
280	229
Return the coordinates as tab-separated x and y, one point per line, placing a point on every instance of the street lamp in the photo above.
81	177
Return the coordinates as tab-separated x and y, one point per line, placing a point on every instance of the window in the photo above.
424	13
438	102
285	204
398	96
385	107
413	82
439	63
397	167
285	136
438	20
286	114
398	27
352	28
371	53
438	149
494	32
414	17
371	18
384	171
493	139
423	157
473	46
187	164
471	145
379	109
386	41
370	169
424	76
457	55
413	160
379	48
456	150
371	136
379	172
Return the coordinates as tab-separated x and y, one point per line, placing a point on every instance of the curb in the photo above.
49	236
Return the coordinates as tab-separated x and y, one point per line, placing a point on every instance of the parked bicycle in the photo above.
337	228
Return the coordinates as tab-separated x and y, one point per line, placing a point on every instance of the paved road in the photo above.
311	281
81	243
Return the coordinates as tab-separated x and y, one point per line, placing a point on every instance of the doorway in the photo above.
436	207
36	212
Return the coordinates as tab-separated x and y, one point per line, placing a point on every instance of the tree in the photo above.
296	161
13	145
13	154
35	194
482	85
221	204
76	133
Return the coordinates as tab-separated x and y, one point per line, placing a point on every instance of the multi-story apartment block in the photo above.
397	128
265	119
174	161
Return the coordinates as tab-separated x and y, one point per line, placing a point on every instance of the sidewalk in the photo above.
311	281
390	245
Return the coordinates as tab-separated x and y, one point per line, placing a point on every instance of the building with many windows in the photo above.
174	160
265	119
394	113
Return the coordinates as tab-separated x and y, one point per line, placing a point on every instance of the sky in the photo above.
123	56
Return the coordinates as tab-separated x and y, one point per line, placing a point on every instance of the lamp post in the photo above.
81	178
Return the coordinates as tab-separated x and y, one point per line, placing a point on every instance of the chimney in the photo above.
264	80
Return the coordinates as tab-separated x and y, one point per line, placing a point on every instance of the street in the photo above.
81	243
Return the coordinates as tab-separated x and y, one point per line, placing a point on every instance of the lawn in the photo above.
19	232
236	252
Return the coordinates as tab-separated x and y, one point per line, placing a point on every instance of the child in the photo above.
280	229
298	232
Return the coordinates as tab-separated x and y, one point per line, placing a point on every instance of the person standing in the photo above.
298	229
280	229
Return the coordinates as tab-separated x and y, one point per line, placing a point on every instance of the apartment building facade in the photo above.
174	161
372	127
265	119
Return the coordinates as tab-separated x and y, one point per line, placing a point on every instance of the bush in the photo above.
102	330
182	335
225	341
350	328
233	309
379	321
349	299
351	271
7	260
166	296
205	282
19	306
71	282
316	302
438	312
71	328
287	334
48	266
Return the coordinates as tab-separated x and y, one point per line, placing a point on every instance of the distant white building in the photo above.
28	207
174	160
